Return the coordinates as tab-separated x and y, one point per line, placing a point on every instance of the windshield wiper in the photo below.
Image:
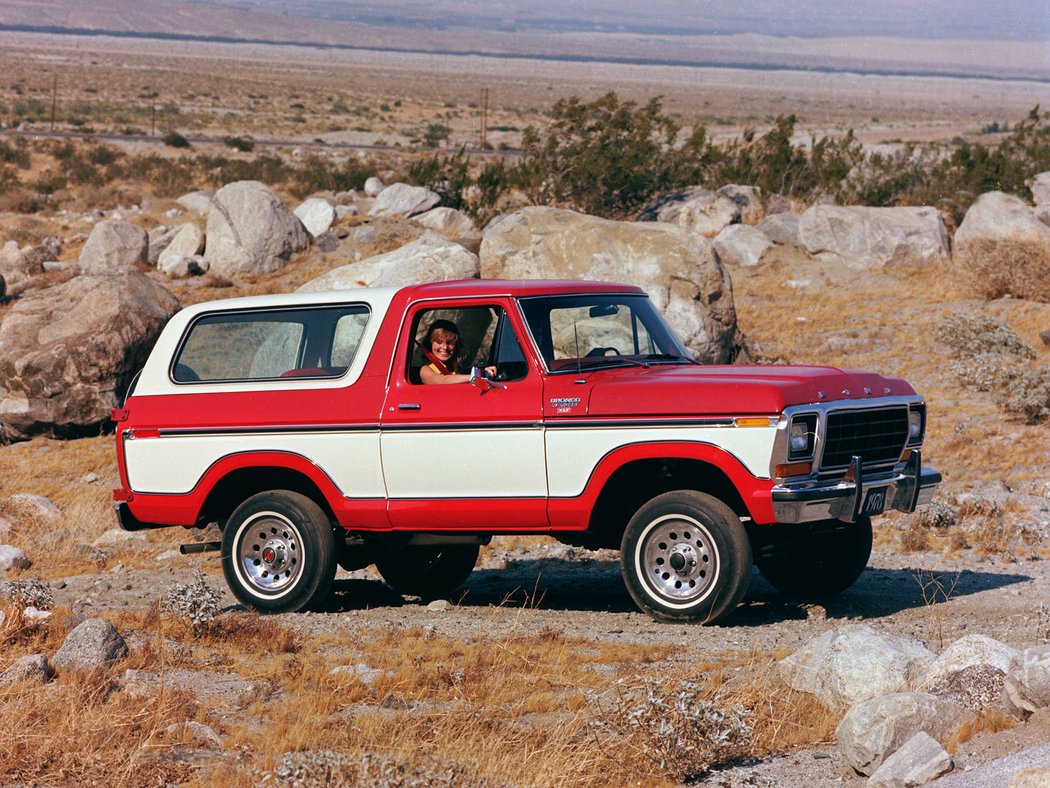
670	357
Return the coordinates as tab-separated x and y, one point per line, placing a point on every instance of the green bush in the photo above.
242	144
175	140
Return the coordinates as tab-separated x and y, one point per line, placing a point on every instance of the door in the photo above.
461	455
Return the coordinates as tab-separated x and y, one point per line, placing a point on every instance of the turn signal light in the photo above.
793	469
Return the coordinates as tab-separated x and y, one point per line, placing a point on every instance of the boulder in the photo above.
748	199
160	238
741	245
861	237
373	186
400	199
14	266
875	729
1003	248
430	258
317	215
32	668
184	267
1040	186
853	663
448	221
678	269
228	688
187	241
976	687
250	232
115	246
918	761
197	201
67	353
36	507
1027	685
700	210
94	644
968	651
780	228
117	538
13	558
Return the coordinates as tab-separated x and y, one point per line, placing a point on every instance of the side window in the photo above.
270	344
484	338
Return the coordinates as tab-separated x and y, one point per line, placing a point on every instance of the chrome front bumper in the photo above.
856	496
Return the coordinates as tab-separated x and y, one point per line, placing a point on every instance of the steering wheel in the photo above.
603	351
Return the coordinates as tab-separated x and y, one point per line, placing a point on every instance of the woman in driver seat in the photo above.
444	352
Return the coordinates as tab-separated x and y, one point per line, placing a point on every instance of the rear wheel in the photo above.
278	552
813	560
686	557
427	571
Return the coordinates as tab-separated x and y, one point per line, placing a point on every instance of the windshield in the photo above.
585	331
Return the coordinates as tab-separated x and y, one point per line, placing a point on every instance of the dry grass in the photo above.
994	269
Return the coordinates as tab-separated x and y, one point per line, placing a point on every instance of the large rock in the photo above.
863	236
748	199
430	258
853	663
447	221
1004	249
741	245
32	668
780	228
678	269
159	239
67	353
198	201
94	644
187	241
15	265
875	729
920	760
1027	686
225	688
373	186
250	232
966	652
700	210
400	199
317	215
1040	186
114	246
12	558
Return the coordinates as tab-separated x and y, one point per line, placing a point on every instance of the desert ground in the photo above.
515	679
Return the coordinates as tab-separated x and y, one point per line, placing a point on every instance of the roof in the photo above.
514	287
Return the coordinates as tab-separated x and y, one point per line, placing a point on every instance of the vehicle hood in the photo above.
732	390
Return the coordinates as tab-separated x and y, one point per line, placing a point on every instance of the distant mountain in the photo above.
1007	39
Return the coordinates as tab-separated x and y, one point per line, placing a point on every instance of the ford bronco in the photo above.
298	424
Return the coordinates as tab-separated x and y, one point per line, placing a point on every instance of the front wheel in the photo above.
686	557
814	560
278	552
427	571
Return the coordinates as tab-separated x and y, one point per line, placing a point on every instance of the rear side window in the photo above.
271	344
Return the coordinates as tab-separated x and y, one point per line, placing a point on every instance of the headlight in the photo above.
802	436
916	424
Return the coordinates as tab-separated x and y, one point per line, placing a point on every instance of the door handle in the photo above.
408	406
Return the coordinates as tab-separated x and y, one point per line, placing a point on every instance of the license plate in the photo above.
874	501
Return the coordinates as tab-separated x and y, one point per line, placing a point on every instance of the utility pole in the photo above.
483	141
54	100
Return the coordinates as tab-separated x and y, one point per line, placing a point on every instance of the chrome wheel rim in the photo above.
270	553
677	559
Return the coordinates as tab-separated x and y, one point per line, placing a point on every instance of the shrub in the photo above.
242	144
196	603
27	593
319	174
175	140
1026	393
1015	267
974	335
678	730
936	514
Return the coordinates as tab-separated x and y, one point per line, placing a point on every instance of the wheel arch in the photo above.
632	475
234	479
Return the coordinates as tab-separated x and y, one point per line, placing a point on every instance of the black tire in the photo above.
814	560
685	556
278	552
427	571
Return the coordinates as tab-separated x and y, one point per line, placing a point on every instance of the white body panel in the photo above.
498	463
573	453
176	464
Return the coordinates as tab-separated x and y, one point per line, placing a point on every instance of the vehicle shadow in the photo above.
589	585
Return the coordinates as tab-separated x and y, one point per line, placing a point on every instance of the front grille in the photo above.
877	436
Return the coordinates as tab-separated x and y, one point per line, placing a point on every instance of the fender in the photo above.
186	509
574	513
